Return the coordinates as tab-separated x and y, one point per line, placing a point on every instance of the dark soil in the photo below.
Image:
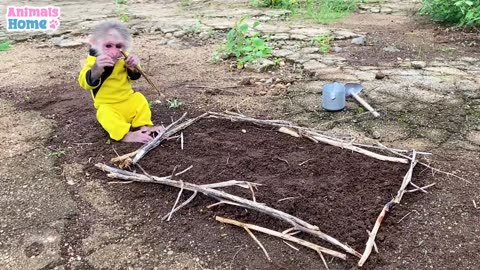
339	191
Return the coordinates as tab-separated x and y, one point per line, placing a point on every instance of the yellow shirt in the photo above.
110	88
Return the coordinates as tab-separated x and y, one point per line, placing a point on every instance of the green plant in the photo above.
244	45
124	18
5	46
321	11
57	153
287	4
195	28
460	12
185	3
323	42
109	141
174	104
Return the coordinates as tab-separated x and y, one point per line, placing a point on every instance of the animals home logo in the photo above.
32	18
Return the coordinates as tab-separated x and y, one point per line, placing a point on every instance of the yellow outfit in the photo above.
118	106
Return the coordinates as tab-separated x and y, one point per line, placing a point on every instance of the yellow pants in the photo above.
118	118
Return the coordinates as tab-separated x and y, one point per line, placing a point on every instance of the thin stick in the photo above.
404	217
283	236
288	198
137	67
176	201
393	149
358	149
418	188
323	259
253	192
302	163
233	259
181	205
374	244
371	239
422	163
258	242
184	171
421	188
181	140
474	204
290	245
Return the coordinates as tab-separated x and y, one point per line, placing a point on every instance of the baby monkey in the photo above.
124	113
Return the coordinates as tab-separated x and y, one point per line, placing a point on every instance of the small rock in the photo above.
168	35
359	40
337	49
204	35
246	81
179	34
387	10
391	49
260	65
163	41
379	75
418	64
375	10
170	252
269	81
376	134
66	43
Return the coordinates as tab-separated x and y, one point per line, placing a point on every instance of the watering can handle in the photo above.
365	104
333	96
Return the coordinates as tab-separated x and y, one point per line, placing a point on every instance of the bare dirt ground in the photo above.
59	212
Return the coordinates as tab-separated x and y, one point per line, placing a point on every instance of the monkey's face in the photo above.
112	44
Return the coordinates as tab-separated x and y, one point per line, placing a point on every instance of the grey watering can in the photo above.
333	97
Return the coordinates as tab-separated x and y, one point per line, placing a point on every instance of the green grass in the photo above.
320	11
323	42
5	46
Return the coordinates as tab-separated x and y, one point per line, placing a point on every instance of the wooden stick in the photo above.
176	201
160	94
181	205
421	188
282	236
417	188
220	195
323	259
169	131
290	245
393	149
258	242
422	163
371	239
359	150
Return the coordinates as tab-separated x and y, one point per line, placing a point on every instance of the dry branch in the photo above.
421	188
311	134
357	149
422	163
283	236
371	239
228	198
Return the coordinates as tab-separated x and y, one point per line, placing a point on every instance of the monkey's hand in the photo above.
101	62
132	62
153	131
139	136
